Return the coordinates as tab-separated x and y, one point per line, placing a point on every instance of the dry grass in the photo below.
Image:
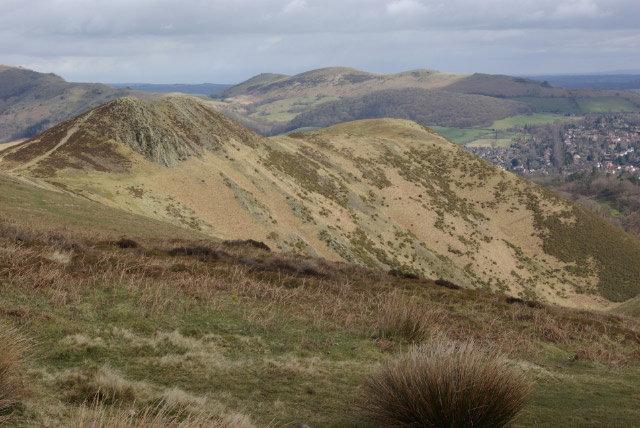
399	318
14	349
446	384
100	416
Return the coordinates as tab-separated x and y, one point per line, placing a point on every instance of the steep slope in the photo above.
386	193
31	102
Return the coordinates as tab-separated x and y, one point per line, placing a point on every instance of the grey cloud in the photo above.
227	41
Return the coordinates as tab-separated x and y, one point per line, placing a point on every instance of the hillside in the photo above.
272	103
246	337
419	105
381	193
31	102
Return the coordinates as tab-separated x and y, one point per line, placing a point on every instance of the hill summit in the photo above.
385	193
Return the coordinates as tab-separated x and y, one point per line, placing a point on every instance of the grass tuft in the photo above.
446	384
14	350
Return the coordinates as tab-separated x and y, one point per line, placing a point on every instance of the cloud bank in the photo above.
229	41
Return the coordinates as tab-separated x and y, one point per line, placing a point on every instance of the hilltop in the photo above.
385	193
31	102
274	103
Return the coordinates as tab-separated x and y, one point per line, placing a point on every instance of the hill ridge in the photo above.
384	193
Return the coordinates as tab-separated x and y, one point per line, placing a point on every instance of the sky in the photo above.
228	41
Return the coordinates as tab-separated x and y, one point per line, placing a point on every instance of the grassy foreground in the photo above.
262	338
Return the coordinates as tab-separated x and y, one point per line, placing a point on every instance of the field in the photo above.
605	105
552	104
527	119
486	137
263	338
459	135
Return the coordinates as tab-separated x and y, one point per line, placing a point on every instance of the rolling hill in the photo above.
31	102
383	193
273	103
185	88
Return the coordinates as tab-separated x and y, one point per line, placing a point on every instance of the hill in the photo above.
271	103
420	105
594	81
185	88
31	102
383	193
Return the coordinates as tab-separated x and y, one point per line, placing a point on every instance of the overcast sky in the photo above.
227	41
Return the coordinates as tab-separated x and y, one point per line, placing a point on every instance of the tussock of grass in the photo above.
400	319
14	349
446	384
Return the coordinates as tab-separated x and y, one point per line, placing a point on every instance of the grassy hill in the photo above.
244	337
420	105
383	193
31	102
273	103
185	88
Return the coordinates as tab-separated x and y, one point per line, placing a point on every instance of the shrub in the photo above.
202	253
399	318
248	243
447	284
126	243
14	349
446	384
402	274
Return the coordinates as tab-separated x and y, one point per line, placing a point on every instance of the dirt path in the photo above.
62	142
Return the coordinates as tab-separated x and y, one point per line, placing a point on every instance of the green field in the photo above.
459	135
554	105
606	104
529	119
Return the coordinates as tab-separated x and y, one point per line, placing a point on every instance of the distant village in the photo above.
609	143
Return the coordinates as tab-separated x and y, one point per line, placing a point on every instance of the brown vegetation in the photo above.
446	385
13	351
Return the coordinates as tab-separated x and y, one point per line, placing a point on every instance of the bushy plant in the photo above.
446	384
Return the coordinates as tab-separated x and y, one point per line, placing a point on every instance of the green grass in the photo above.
528	119
605	105
459	135
585	396
554	105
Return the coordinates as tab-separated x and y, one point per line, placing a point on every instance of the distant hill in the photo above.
384	193
31	102
593	81
202	88
273	103
420	105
